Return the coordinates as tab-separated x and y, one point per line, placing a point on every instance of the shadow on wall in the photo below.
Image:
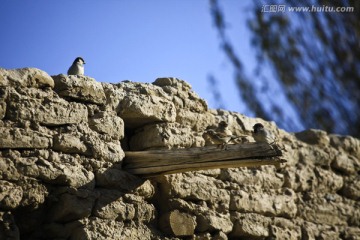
117	200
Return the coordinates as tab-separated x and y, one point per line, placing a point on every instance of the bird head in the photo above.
257	127
79	60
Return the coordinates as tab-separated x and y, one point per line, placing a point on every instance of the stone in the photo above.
65	170
351	233
310	178
343	163
117	205
203	236
90	143
114	94
10	195
349	144
137	232
25	77
79	88
316	156
138	110
211	221
97	228
50	110
211	215
74	175
162	135
196	187
250	225
282	228
34	193
111	205
115	178
145	190
317	210
313	136
23	138
263	177
196	121
177	224
73	205
108	123
351	188
68	143
108	151
318	231
173	82
328	180
220	236
144	212
181	94
281	204
8	170
194	103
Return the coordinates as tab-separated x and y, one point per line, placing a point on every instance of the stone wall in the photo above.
62	143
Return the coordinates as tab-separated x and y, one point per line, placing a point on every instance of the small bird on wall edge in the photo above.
222	136
262	135
77	67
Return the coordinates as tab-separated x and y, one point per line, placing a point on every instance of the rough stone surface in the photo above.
280	204
73	205
23	138
143	109
313	136
351	188
250	225
177	223
68	143
50	109
25	77
139	104
10	195
107	123
163	135
61	176
81	88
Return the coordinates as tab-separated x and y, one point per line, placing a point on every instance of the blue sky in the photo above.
138	40
123	40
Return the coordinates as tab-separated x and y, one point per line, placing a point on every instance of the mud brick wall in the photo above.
62	143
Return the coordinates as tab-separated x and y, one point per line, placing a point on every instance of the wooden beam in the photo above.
164	161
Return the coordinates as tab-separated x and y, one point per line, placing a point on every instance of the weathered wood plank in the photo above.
190	159
162	170
204	154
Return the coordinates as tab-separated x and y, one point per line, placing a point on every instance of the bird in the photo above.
77	68
262	135
221	135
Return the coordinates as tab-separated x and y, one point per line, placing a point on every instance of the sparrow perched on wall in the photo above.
77	68
260	134
221	135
